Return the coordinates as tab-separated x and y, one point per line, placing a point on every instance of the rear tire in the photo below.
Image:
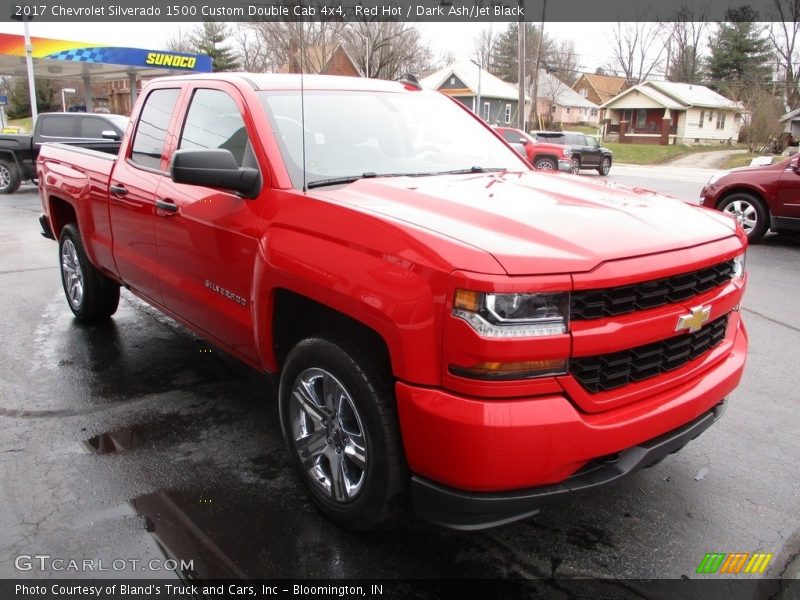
91	296
545	164
749	210
9	177
339	421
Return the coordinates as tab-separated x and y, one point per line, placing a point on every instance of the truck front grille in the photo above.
610	371
595	304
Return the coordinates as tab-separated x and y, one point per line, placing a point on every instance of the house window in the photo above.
641	116
710	116
593	112
553	108
584	92
486	111
568	110
720	120
508	114
452	81
702	116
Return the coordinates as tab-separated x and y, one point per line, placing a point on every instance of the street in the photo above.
137	440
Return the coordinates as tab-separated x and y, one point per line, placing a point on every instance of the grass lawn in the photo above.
743	160
23	124
585	129
644	154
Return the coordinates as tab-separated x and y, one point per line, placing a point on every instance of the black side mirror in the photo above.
214	168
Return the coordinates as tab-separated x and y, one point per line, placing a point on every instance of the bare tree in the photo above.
764	110
485	46
686	33
298	46
386	50
638	49
180	41
253	54
563	61
783	35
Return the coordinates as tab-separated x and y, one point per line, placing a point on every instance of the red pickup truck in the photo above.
451	329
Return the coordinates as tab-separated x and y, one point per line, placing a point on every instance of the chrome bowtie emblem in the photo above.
695	319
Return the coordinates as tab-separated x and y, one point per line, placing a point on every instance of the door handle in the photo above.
118	189
167	205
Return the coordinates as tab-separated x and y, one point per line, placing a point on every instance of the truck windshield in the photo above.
353	134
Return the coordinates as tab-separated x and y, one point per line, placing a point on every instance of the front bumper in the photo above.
564	164
473	454
464	510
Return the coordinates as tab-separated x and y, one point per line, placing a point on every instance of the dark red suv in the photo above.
760	198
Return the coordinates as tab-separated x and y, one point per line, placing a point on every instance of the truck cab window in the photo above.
57	126
214	121
148	142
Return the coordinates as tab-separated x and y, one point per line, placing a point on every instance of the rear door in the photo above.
593	151
207	237
132	193
789	191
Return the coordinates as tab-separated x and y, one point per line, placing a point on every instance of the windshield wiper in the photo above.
475	169
340	180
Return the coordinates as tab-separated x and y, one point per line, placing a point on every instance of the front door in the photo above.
207	237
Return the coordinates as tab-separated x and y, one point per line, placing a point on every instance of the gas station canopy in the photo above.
62	59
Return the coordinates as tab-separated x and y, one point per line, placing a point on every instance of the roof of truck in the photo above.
291	81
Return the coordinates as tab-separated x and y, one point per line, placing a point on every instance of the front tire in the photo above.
545	164
91	295
339	421
605	166
9	177
749	211
576	166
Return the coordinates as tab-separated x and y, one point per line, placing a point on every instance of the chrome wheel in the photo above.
72	273
544	165
5	177
576	166
744	212
605	166
328	435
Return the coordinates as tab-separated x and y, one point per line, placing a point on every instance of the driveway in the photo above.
704	160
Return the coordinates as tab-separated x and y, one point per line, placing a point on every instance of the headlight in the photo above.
513	315
567	151
739	265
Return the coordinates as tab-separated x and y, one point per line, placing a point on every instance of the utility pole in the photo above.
521	68
535	102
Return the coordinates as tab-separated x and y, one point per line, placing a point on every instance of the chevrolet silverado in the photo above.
451	330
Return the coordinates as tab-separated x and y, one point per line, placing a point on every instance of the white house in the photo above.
465	82
792	123
665	112
557	102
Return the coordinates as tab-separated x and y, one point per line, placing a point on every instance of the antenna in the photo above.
303	100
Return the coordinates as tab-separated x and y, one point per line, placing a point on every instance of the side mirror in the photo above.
109	134
214	168
523	141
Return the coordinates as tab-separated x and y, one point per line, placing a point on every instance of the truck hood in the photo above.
537	223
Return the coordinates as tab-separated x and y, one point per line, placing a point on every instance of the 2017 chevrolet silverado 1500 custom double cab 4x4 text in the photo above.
450	328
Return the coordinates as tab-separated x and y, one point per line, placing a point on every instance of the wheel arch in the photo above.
60	213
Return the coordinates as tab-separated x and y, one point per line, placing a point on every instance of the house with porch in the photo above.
665	112
492	98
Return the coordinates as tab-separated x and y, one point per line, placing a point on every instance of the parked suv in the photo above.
586	152
542	155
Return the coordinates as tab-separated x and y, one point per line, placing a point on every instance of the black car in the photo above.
587	153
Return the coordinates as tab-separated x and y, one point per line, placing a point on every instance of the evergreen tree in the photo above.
19	100
740	55
209	38
504	61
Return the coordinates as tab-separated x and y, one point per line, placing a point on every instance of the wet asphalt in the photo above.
138	440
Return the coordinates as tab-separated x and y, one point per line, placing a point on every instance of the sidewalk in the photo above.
704	160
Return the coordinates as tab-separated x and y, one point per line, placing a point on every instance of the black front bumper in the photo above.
473	510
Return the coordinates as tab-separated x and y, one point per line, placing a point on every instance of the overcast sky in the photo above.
591	39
